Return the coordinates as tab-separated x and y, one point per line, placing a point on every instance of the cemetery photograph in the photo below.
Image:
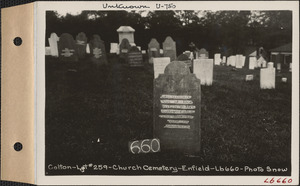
168	92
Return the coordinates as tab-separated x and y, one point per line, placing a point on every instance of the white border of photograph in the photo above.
41	7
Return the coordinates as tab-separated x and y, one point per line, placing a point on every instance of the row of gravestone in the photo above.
68	49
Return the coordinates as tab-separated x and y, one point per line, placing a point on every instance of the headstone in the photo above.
159	65
161	52
114	48
124	48
153	49
135	57
88	51
270	65
233	61
140	48
249	77
224	60
177	102
126	32
278	66
184	58
243	58
267	78
290	67
284	79
203	69
217	59
229	59
252	63
132	44
67	48
53	44
144	52
169	47
203	54
97	48
81	42
48	51
238	62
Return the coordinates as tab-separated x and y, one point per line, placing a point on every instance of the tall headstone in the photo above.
67	48
239	62
81	42
124	48
267	78
98	52
169	47
126	32
184	58
177	103
203	69
53	44
114	48
159	65
135	57
217	59
153	49
252	63
203	54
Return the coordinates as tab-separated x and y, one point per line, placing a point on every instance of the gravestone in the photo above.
252	63
53	44
126	32
249	77
203	54
177	102
97	48
203	69
290	69
135	57
233	61
261	62
224	60
114	48
239	62
278	66
270	65
153	49
243	58
48	51
217	59
159	65
267	78
81	42
169	47
140	48
284	79
184	58
124	48
67	48
229	59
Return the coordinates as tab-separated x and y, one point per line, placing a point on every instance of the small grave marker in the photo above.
98	51
284	79
159	65
53	44
224	60
267	78
203	69
153	49
114	48
67	48
252	63
278	66
239	61
135	57
217	59
169	47
249	77
81	42
177	98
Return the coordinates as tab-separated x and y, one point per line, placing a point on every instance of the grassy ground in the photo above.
239	121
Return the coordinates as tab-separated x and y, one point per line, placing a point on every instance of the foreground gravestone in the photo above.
239	62
124	48
114	48
159	65
267	78
135	57
252	63
98	51
169	47
153	49
184	58
81	42
217	59
203	69
67	48
53	44
203	54
177	96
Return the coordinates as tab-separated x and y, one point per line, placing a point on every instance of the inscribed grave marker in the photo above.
177	96
114	48
53	44
98	50
81	42
135	57
67	48
267	78
159	65
203	69
153	48
124	48
224	60
238	62
252	63
169	47
217	59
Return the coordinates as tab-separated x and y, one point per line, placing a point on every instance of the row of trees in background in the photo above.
217	31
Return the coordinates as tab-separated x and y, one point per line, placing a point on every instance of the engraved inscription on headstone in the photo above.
177	97
67	48
169	47
159	65
98	50
203	68
135	57
81	42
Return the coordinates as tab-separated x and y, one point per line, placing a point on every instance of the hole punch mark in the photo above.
17	41
18	146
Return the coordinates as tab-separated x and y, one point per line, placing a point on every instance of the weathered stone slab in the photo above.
81	42
135	57
267	78
98	52
169	47
159	65
67	48
53	44
203	69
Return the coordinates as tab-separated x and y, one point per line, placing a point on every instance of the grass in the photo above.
240	123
